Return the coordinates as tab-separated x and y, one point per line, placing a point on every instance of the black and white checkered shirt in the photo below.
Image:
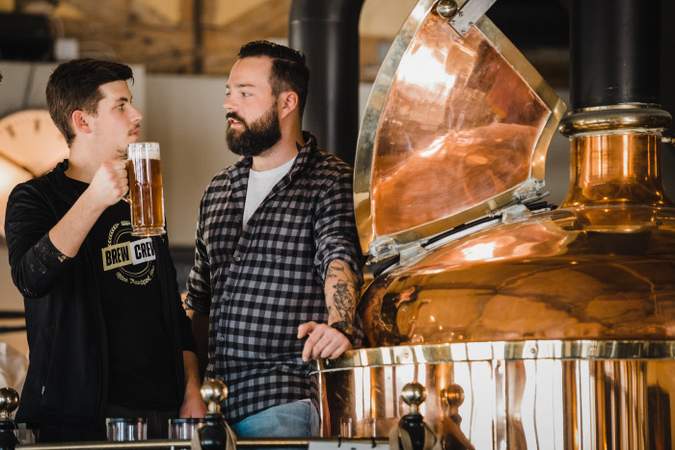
259	283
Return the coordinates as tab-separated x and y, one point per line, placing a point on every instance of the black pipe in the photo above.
615	50
667	97
327	32
198	36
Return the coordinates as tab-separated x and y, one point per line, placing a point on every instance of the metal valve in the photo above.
9	401
213	432
412	433
213	392
413	394
453	397
447	8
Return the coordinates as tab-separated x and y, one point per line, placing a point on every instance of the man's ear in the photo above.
80	121
288	102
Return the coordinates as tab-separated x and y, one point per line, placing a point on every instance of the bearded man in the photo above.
277	266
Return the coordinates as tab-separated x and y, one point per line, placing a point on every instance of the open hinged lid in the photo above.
457	126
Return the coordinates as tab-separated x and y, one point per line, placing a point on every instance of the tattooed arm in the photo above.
330	340
340	290
337	262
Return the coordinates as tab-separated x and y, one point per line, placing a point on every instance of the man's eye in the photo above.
121	107
245	94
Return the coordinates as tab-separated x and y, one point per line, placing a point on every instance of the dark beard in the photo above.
256	138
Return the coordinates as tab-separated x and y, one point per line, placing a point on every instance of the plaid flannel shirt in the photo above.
259	283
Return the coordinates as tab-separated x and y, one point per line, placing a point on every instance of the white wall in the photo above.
185	115
19	91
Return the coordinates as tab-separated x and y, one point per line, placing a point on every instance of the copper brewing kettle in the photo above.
557	325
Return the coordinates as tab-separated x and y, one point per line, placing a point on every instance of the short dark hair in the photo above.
74	86
289	71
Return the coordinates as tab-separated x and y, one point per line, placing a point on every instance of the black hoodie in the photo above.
67	380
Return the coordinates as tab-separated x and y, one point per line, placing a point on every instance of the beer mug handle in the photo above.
125	197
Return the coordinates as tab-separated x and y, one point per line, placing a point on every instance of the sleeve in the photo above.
199	280
36	264
187	342
335	229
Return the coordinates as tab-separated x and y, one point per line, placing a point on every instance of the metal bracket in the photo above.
531	190
383	248
515	213
462	16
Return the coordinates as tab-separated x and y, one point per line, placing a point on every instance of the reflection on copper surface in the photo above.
551	277
520	405
615	169
559	326
459	127
600	269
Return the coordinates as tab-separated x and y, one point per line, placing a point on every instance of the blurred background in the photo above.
181	52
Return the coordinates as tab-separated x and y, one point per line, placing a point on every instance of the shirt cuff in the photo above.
196	304
48	254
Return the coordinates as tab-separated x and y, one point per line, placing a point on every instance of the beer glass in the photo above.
146	197
182	429
121	429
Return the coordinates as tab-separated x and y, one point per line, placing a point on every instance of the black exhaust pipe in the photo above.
615	52
327	32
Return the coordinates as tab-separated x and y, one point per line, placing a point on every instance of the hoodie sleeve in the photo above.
36	264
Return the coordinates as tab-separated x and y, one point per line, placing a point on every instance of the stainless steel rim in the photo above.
503	351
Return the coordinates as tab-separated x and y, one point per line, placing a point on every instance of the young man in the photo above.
276	268
107	336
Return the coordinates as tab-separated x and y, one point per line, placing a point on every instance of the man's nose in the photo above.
229	104
136	115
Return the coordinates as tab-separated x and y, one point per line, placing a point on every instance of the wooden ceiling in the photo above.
167	36
203	36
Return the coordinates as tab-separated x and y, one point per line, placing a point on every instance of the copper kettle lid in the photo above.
457	126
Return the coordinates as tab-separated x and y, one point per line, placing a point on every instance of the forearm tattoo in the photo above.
340	288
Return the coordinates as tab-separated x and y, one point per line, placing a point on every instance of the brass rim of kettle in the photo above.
502	350
626	116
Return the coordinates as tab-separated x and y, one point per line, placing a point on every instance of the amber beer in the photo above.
146	195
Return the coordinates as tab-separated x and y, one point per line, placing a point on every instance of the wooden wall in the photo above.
198	36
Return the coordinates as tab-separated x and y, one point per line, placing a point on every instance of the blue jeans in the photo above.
298	419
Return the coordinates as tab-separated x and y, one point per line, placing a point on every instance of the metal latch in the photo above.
462	14
382	248
530	191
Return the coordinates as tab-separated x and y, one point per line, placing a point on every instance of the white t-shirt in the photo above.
260	184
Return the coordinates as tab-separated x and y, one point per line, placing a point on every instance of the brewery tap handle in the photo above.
9	400
213	392
452	397
412	433
213	432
